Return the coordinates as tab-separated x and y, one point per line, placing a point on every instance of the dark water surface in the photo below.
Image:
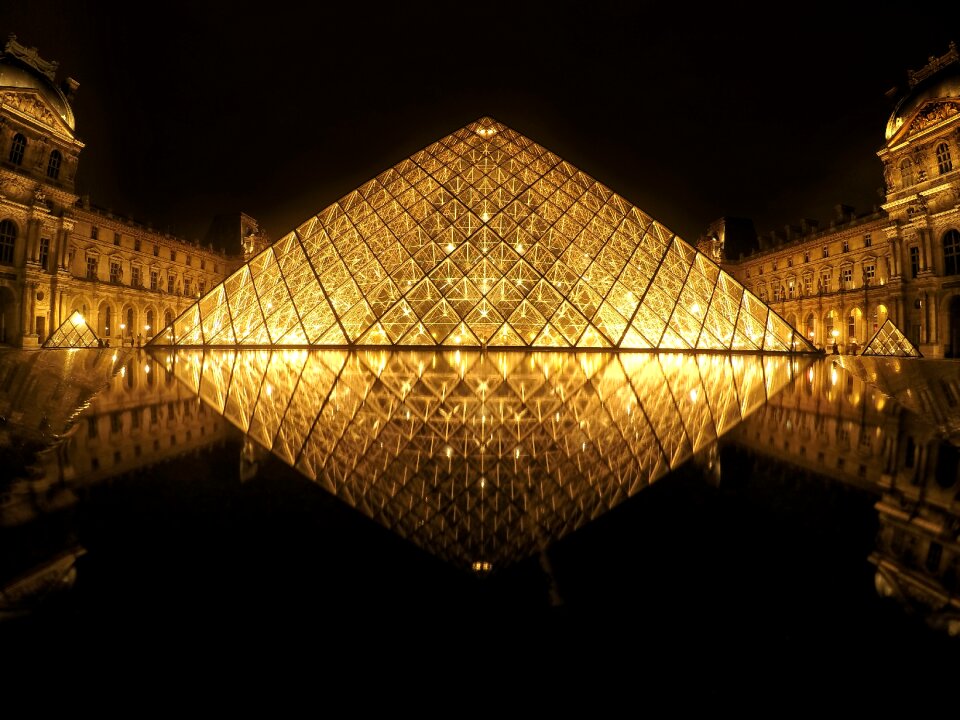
733	523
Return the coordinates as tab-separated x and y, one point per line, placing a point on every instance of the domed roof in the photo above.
943	84
19	75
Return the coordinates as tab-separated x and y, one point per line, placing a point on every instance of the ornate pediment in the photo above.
34	107
931	115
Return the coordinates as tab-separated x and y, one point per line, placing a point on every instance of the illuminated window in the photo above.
951	253
869	271
53	165
808	285
944	161
171	280
846	275
202	287
825	281
154	279
791	290
777	292
116	272
914	261
91	267
906	172
135	276
867	240
44	252
17	149
186	286
8	241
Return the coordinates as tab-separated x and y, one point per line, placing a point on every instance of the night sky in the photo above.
189	113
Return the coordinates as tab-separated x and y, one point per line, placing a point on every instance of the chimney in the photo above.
844	213
809	226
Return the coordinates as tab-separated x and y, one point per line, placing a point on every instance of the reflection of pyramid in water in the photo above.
888	340
481	457
486	239
73	333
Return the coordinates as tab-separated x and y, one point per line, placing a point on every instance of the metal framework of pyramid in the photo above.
888	340
483	239
479	456
73	333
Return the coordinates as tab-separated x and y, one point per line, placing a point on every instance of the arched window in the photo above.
17	149
149	325
8	240
944	162
906	172
53	166
951	252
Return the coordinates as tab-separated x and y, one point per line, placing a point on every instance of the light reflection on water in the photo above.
486	458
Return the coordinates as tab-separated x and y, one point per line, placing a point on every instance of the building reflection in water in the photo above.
842	419
486	458
77	418
481	458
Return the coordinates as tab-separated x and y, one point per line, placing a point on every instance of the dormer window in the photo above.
53	165
944	161
17	149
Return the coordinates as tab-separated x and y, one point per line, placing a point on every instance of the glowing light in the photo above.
395	270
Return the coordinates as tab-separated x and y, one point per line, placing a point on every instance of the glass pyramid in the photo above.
890	341
483	239
478	456
73	333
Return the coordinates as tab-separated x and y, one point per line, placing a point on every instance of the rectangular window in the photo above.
135	276
806	256
154	279
116	239
203	287
156	251
91	427
847	276
791	290
94	232
869	272
774	264
914	261
867	240
170	281
203	264
826	251
44	252
115	272
136	244
186	286
189	260
776	293
91	268
173	255
807	285
846	246
153	415
789	262
825	281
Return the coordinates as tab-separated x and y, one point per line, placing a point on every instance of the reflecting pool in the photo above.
681	501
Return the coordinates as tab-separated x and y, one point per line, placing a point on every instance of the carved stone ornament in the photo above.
14	189
933	114
30	105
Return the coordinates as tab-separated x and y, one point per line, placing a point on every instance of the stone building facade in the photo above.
58	253
838	284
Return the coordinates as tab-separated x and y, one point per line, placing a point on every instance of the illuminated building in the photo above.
839	285
59	254
484	238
